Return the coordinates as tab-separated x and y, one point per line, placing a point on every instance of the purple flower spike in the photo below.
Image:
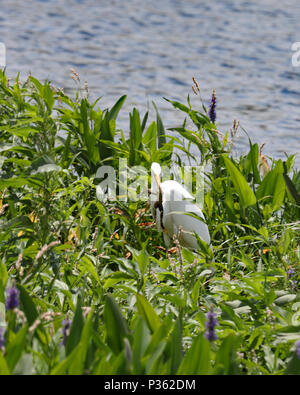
212	110
12	298
210	325
290	272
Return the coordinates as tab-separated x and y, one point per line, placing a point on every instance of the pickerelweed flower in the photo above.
290	272
210	325
66	327
12	298
212	110
2	339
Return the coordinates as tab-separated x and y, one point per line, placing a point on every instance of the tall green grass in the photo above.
99	293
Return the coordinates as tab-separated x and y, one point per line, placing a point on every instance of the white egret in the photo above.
170	204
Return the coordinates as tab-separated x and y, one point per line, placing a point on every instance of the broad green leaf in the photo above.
76	328
141	340
22	131
293	366
37	84
48	96
15	348
148	313
28	305
4	370
116	327
175	346
197	358
251	164
63	366
284	299
247	197
86	265
273	187
225	362
291	187
3	278
77	363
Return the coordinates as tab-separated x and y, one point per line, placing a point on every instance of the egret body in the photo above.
170	205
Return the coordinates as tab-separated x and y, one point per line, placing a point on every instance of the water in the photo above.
151	50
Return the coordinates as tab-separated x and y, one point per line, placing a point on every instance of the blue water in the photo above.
151	49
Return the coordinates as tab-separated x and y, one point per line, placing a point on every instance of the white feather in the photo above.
177	204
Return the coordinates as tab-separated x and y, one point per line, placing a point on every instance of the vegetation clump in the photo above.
87	285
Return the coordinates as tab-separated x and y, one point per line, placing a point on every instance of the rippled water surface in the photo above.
152	49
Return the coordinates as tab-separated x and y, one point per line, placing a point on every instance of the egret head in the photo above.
156	172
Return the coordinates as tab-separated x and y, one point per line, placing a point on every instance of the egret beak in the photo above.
157	178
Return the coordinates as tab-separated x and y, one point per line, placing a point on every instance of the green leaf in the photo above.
252	162
3	278
77	363
161	136
89	137
46	168
113	113
190	136
24	131
27	305
225	362
136	128
197	358
284	299
4	370
135	135
116	327
37	84
144	122
247	197
76	328
148	313
175	346
179	105
293	366
291	186
86	265
273	187
149	139
15	182
48	96
15	348
106	134
141	340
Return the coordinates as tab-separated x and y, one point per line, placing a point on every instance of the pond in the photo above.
151	50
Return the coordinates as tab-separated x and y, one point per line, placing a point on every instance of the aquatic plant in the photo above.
98	292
